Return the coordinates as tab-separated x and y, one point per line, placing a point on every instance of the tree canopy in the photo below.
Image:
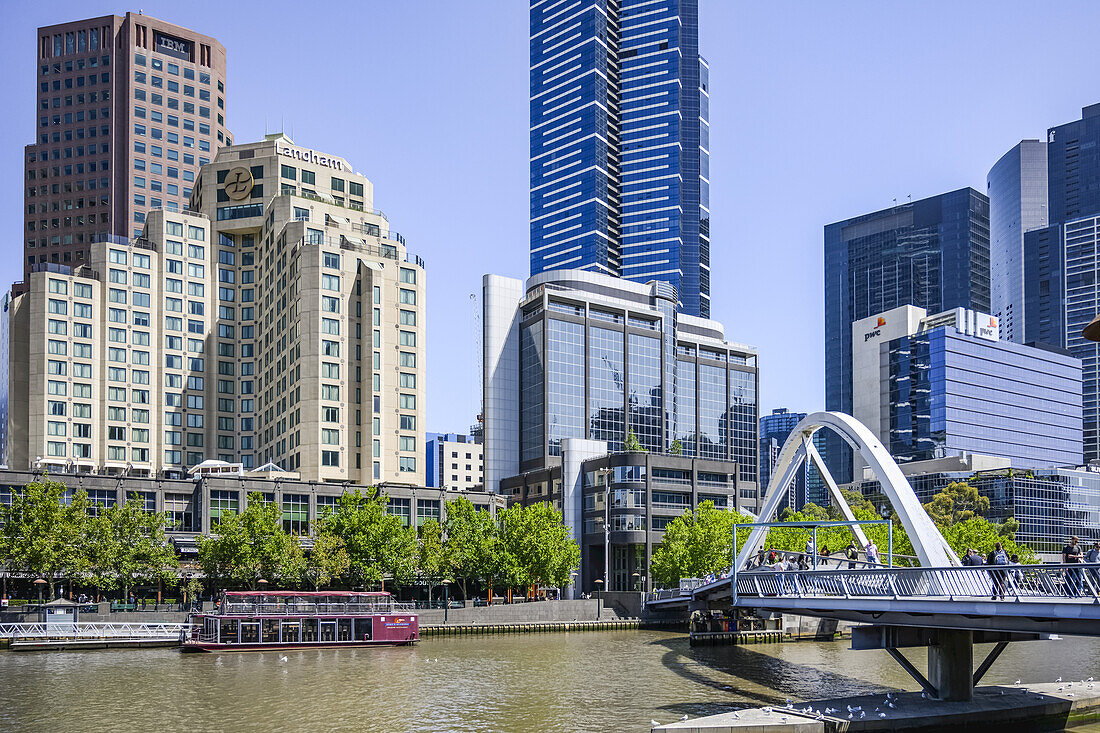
536	547
42	533
378	543
250	546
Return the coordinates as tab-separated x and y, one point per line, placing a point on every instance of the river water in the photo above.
594	681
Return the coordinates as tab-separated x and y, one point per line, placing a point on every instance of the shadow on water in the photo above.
753	678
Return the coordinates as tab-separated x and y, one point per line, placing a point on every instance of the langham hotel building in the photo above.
278	320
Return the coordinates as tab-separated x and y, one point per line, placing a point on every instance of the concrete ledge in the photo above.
63	645
1040	707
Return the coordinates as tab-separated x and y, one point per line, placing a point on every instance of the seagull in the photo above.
849	716
683	717
766	711
1017	682
654	723
1058	680
283	658
862	714
783	719
882	715
736	716
790	705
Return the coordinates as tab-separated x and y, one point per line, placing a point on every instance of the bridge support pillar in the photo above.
951	664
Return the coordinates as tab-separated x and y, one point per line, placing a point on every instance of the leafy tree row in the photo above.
701	542
359	544
110	548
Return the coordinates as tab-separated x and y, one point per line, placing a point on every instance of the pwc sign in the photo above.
877	330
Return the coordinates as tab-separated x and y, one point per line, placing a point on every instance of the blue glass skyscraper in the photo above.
932	253
1061	289
620	143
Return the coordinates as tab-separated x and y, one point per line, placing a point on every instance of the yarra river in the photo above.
594	681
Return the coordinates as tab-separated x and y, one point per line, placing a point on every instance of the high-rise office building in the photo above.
932	253
278	321
127	111
1061	292
937	385
1017	189
774	431
620	143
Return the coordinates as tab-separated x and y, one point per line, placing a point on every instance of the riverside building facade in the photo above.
278	321
127	111
620	143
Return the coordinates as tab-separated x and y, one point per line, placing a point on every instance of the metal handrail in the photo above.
92	630
1019	582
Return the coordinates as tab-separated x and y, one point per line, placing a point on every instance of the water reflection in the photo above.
555	682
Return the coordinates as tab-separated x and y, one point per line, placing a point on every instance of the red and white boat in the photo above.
258	620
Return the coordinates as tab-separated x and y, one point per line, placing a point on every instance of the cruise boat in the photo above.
258	620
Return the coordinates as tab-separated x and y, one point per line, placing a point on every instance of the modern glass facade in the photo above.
1082	303
1073	167
593	366
1017	189
1049	504
953	394
932	253
620	143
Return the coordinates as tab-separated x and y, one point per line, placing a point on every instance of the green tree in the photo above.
471	548
536	546
677	448
248	546
378	543
982	535
697	543
430	557
126	544
632	443
959	502
327	560
42	534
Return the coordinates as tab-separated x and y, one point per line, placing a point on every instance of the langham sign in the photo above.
310	156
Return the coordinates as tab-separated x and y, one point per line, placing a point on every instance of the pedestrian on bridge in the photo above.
852	554
1092	557
1071	555
998	557
872	553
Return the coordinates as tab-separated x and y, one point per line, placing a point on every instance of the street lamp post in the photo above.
446	598
637	581
40	582
572	584
599	585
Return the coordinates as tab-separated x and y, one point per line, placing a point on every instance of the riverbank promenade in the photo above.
1048	706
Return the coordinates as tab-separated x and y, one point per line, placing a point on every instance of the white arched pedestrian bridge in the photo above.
938	594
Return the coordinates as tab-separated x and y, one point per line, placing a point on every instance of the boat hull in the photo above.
199	647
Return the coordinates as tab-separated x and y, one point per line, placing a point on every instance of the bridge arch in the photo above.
931	548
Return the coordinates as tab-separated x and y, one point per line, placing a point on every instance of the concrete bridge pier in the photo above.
951	664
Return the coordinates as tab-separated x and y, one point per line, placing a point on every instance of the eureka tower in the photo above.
620	143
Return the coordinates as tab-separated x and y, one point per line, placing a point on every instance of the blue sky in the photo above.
819	112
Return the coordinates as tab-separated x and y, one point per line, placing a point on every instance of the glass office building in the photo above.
932	253
774	431
1061	295
1017	188
620	143
600	358
1050	504
951	393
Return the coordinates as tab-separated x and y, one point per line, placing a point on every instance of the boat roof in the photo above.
307	594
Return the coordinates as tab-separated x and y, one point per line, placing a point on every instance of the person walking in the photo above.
997	556
1092	557
1071	555
852	554
872	553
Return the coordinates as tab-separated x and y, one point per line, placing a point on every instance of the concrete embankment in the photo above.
1040	707
534	628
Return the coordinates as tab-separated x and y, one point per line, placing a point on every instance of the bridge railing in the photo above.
92	630
994	581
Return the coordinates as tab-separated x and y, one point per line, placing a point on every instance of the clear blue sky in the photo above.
819	112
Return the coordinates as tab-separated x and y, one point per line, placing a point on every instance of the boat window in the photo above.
250	632
364	629
270	630
345	630
228	631
309	629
